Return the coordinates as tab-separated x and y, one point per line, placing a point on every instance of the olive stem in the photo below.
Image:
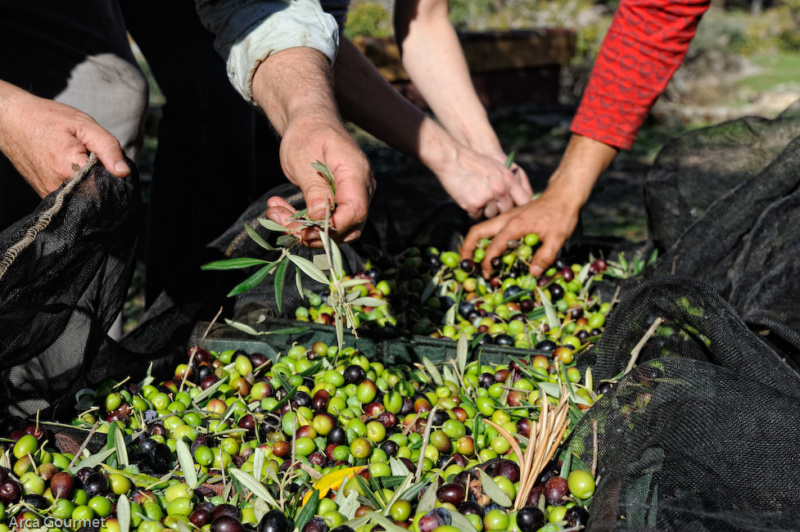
425	438
83	445
640	345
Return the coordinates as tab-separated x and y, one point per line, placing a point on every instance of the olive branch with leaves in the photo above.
340	299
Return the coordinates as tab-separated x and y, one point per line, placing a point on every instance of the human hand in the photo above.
480	184
520	176
308	141
553	216
44	139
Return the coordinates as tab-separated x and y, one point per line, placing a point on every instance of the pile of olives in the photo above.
440	295
316	440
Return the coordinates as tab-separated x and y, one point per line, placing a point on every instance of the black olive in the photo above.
504	339
530	519
274	521
546	346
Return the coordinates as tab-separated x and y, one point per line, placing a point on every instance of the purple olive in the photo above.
452	493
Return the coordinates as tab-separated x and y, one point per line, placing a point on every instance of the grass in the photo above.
780	68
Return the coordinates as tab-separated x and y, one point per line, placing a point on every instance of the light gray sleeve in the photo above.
249	31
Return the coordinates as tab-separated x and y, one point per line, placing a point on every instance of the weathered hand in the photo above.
308	141
44	139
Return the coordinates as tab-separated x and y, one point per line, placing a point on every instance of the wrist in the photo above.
437	149
295	84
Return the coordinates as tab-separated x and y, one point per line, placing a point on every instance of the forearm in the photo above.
645	45
8	95
295	83
433	58
583	162
368	100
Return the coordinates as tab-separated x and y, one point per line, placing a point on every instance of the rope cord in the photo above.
44	219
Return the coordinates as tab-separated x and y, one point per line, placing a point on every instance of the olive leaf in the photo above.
412	492
368	493
286	241
251	281
124	513
385	522
398	467
358	522
122	451
510	159
566	463
258	489
298	279
258	463
308	511
182	527
187	463
448	374
233	264
460	522
429	288
368	302
336	254
339	498
584	273
280	282
340	333
349	505
272	226
550	388
323	169
210	390
350	283
428	500
288	397
321	261
552	318
252	233
434	373
260	509
494	491
450	315
249	330
462	353
93	460
399	492
518	295
309	269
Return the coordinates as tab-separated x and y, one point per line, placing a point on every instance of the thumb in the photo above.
99	141
544	257
318	196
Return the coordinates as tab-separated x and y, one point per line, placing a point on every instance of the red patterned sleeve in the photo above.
646	43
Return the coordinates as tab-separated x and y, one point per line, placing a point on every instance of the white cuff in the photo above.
249	31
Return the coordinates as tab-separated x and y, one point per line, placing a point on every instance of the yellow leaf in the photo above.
332	481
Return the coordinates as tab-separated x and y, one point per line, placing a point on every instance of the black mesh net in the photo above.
701	435
61	295
723	202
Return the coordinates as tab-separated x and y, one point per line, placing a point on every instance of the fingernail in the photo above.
536	270
121	167
351	238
